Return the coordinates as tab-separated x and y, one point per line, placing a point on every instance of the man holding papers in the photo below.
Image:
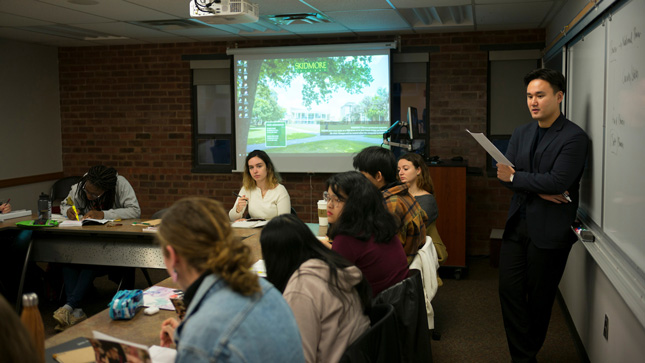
549	157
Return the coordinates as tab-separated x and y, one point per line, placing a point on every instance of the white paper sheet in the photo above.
490	148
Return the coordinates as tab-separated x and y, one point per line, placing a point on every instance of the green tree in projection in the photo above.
376	107
266	107
322	76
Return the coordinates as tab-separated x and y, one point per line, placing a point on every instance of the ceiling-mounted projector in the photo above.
224	11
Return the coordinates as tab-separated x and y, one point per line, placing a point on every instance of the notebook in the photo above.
84	222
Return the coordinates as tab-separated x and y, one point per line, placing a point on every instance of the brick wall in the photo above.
129	107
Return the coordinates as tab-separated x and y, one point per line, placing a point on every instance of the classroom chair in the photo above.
411	317
60	190
379	344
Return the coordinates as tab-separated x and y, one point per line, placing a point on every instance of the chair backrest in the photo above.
379	343
60	189
411	317
159	214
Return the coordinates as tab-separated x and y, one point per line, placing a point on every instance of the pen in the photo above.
237	195
566	196
7	202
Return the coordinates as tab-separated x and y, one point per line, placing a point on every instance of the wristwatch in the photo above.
512	175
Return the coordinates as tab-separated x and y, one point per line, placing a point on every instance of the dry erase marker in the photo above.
566	196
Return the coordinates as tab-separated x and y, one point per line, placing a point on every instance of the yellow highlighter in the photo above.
71	203
75	212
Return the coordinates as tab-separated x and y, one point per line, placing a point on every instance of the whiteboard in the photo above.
624	188
585	107
606	97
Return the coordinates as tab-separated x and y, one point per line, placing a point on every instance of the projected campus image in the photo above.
312	105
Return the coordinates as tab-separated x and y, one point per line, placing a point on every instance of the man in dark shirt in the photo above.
549	157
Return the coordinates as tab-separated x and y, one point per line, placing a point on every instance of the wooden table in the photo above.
144	329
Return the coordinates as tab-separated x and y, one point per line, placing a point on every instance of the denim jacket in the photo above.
224	326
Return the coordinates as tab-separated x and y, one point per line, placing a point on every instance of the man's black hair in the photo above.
374	159
555	78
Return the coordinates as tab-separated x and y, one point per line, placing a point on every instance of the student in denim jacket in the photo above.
232	315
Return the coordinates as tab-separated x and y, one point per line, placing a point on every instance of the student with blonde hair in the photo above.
262	195
232	315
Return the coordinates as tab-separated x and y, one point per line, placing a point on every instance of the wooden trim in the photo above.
30	179
588	8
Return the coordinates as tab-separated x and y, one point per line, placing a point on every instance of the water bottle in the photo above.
44	207
33	322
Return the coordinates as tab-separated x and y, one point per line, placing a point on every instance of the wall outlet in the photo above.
605	329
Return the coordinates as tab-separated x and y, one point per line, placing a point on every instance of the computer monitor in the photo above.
416	126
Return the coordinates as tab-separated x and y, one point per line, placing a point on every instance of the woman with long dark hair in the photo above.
232	314
262	195
414	172
328	295
363	231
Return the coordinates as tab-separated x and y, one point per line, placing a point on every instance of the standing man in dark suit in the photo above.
549	157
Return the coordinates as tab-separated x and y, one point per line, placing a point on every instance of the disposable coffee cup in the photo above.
322	213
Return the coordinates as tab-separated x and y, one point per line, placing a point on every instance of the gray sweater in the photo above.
429	205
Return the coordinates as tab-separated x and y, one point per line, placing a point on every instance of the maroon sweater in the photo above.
382	264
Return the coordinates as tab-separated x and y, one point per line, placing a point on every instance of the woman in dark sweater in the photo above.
363	231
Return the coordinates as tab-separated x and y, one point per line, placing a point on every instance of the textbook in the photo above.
84	222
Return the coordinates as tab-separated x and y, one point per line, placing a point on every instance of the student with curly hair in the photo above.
232	314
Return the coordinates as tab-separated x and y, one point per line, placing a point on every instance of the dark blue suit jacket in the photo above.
558	164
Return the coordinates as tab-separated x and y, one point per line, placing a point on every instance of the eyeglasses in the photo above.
332	200
92	194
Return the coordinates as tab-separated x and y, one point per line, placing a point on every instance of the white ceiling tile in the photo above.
17	20
407	4
511	2
511	13
124	30
346	5
178	8
273	7
46	12
114	9
39	38
370	20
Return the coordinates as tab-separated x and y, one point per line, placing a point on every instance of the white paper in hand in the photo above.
490	148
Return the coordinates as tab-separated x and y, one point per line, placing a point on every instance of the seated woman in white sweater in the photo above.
262	195
327	294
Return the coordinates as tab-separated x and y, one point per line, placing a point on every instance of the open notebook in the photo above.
84	222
